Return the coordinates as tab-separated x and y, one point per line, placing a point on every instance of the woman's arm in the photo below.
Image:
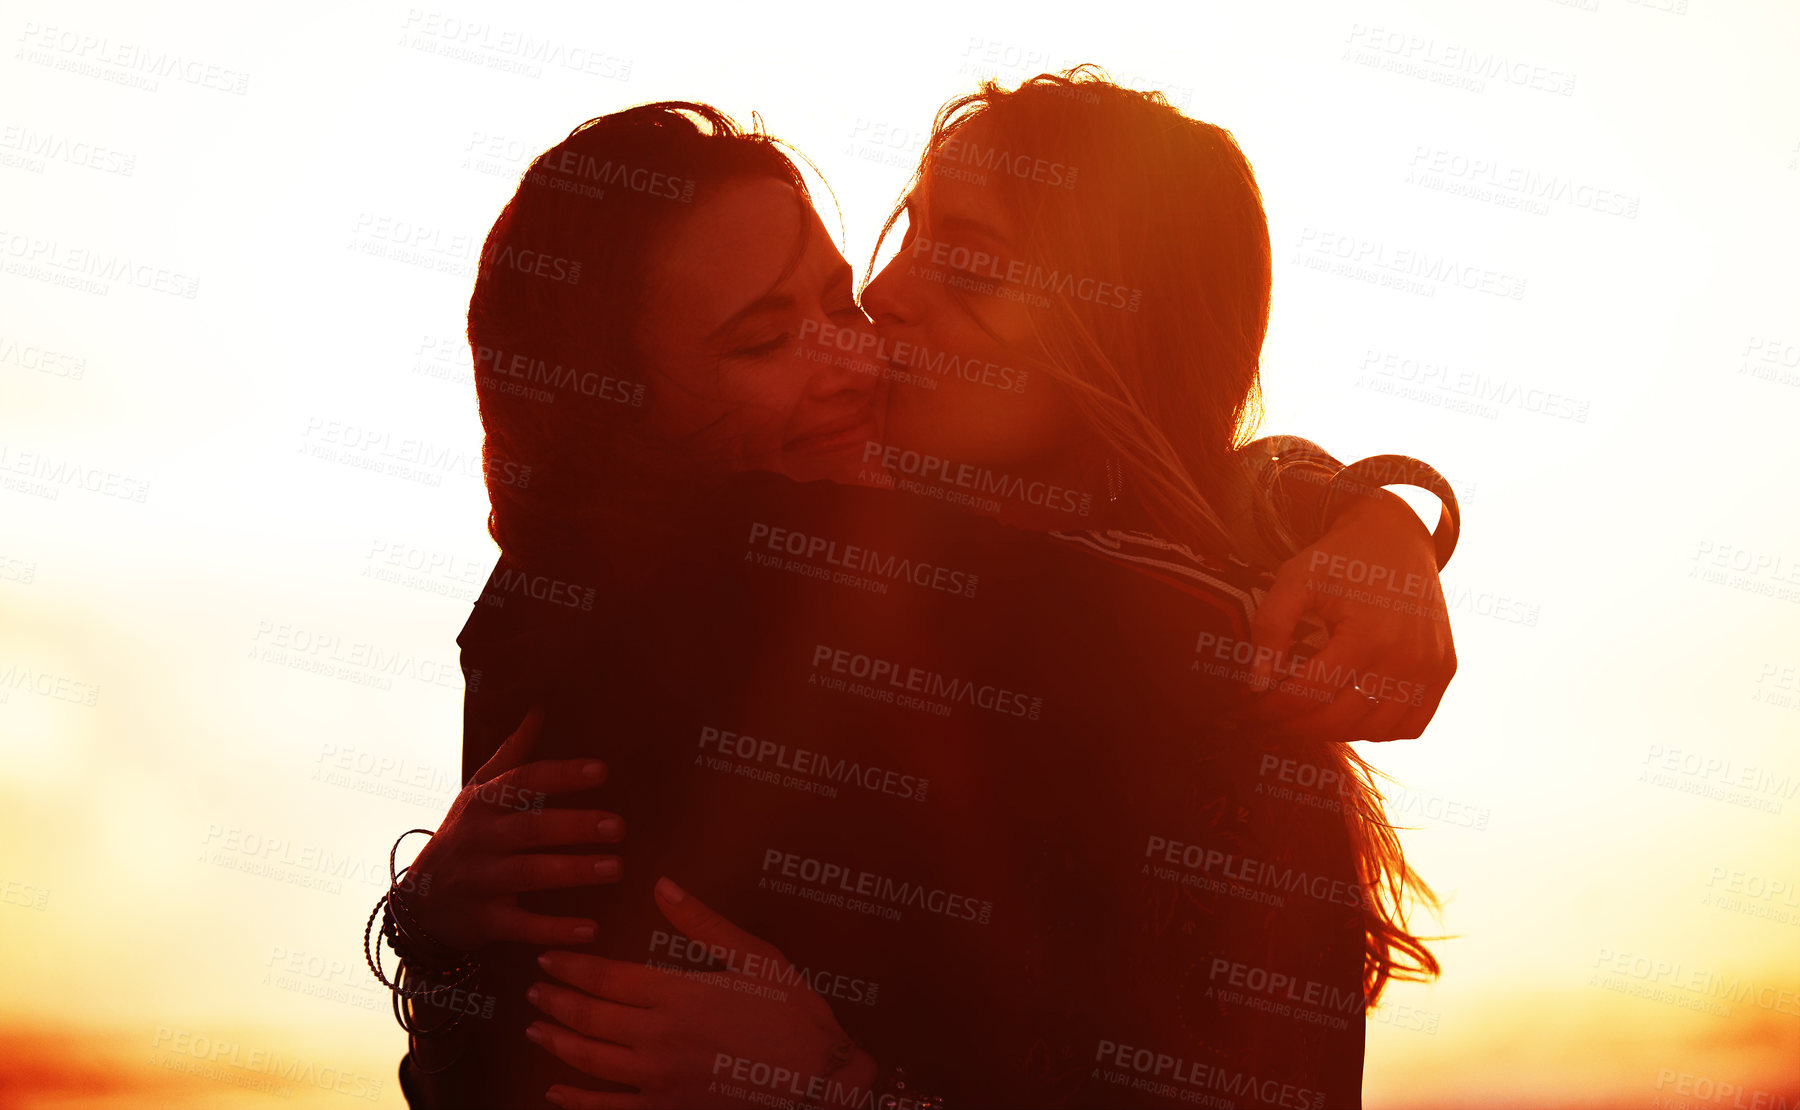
500	839
460	896
1370	571
697	1040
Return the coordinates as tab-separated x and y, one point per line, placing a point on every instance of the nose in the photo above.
892	298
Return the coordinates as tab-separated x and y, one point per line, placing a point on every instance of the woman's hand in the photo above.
1373	579
694	1039
463	886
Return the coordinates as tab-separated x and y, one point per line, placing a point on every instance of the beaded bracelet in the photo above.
419	955
416	949
411	944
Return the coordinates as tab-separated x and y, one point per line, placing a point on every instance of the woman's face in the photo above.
999	408
748	367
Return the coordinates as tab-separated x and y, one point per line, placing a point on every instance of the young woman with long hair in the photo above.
1163	387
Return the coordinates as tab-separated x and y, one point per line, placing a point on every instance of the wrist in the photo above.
1361	482
421	946
1382	509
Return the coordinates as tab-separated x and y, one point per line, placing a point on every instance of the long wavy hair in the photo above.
1170	387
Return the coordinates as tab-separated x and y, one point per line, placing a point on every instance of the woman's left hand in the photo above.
679	1037
1373	579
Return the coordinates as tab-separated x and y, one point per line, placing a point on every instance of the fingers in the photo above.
573	1098
1422	708
529	786
597	1058
1285	702
1296	696
1336	721
509	923
1411	682
1292	697
1272	626
555	828
1353	715
516	747
516	873
1382	721
593	1017
616	980
1336	711
1323	702
699	922
1412	725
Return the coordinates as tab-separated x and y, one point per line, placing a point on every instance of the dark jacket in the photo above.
993	805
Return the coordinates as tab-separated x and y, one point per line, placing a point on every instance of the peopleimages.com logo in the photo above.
978	479
1029	277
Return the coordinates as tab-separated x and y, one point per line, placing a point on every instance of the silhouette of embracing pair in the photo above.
931	695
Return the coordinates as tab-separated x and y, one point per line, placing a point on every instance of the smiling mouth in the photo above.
850	431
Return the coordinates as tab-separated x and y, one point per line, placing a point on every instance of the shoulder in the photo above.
1132	568
1224	581
771	514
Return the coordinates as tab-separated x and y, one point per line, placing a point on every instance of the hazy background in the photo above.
227	669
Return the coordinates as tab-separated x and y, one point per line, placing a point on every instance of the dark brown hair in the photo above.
1165	210
552	321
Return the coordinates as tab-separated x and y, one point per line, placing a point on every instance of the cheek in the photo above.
975	408
1024	423
774	387
759	401
721	417
988	328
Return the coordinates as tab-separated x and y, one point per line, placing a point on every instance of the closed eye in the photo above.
763	350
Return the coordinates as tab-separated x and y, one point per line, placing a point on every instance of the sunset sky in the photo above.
228	675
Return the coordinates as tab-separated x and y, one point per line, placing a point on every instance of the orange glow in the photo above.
221	700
